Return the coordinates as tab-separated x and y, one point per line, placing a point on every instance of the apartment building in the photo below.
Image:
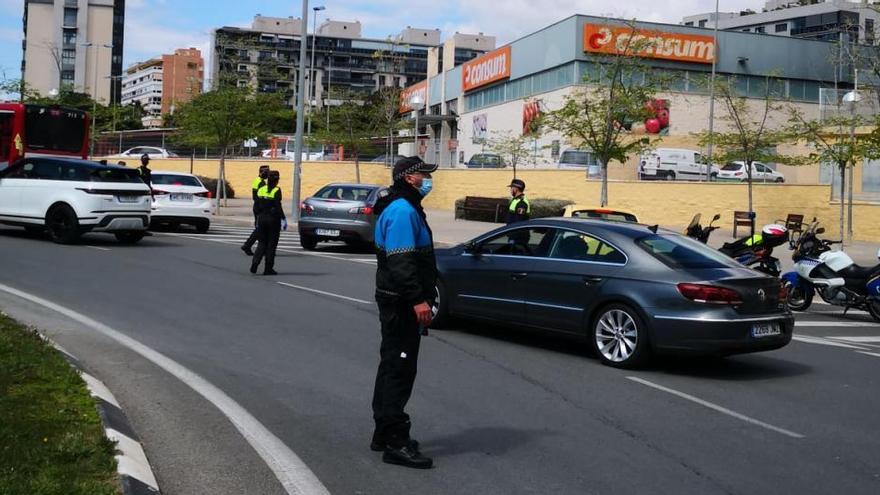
161	84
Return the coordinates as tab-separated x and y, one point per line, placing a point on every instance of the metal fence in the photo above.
832	102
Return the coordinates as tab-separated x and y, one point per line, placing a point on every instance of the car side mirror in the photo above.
472	248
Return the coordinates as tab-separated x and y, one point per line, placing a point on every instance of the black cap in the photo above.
518	183
145	155
264	167
274	174
411	165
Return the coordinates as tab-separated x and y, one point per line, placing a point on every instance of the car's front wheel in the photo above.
62	225
129	236
620	337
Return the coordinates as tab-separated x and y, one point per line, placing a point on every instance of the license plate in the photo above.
327	232
129	199
765	330
181	197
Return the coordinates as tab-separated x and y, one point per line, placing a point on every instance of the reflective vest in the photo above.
265	193
515	201
257	184
755	240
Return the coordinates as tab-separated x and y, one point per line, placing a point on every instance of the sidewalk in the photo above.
449	231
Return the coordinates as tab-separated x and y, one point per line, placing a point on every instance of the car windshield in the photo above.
345	193
576	157
732	166
679	252
174	180
114	175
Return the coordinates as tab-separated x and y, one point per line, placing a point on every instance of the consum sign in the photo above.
491	67
624	40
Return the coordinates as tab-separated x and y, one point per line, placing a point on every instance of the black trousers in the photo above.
268	233
252	239
399	357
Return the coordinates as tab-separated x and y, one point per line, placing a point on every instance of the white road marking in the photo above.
716	407
97	248
834	324
291	471
316	291
858	340
869	353
820	341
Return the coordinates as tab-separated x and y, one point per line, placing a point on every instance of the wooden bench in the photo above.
795	225
494	206
743	219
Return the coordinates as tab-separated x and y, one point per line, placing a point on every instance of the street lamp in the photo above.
711	144
852	98
300	121
417	103
94	95
329	82
313	88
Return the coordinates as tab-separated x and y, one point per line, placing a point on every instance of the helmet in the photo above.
774	230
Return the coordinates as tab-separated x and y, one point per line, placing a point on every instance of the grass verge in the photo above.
51	438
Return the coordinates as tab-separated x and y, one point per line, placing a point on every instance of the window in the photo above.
345	193
69	17
759	29
47	171
747	30
21	170
175	180
68	57
679	252
69	37
577	246
690	23
532	241
702	23
781	27
869	31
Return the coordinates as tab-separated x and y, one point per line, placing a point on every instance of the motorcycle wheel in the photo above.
874	308
799	298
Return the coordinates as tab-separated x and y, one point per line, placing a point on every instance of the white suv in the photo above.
68	197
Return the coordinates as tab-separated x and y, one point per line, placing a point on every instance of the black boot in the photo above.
269	271
406	456
247	250
254	267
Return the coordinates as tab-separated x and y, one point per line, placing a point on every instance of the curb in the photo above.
135	474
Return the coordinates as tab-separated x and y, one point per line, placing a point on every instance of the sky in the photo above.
154	27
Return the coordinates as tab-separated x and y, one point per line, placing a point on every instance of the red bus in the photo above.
42	130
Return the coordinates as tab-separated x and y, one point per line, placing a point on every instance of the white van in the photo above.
674	164
574	158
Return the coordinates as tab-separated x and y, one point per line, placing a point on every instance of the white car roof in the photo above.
164	172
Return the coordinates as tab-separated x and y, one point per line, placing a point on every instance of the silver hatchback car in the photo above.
339	212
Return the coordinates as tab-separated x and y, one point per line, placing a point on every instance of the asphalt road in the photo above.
501	411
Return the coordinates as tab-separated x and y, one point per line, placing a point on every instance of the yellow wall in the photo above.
665	203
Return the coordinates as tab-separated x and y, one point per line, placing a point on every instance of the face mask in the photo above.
427	185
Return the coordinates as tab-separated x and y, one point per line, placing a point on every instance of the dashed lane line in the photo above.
323	293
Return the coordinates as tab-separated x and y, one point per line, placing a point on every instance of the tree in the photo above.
512	147
600	114
748	137
386	100
221	118
834	140
353	125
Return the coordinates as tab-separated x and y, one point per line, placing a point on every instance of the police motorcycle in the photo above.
754	251
831	274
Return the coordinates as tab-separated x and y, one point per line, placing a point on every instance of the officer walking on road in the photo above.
144	170
405	277
519	208
270	222
259	182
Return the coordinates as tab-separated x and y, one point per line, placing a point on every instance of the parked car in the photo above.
280	154
574	158
67	197
152	151
486	160
339	212
736	171
387	159
615	214
675	164
180	199
630	290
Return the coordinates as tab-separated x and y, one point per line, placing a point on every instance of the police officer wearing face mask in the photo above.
405	277
257	183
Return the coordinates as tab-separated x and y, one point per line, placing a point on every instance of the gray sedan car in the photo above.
339	212
629	289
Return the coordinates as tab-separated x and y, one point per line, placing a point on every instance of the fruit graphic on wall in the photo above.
658	122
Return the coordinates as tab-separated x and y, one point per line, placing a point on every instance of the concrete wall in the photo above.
654	202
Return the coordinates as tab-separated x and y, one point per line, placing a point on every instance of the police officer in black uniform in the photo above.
144	170
519	208
258	182
270	222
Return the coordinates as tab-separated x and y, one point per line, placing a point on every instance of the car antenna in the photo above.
653	228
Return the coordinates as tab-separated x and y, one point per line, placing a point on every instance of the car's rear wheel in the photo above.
202	226
308	242
62	225
780	180
799	298
620	337
129	236
440	307
669	176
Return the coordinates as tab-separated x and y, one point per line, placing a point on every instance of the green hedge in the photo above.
541	208
211	185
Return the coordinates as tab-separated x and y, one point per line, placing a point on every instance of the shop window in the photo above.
811	91
698	82
796	90
781	27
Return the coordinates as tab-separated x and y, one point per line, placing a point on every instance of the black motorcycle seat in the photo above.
860	273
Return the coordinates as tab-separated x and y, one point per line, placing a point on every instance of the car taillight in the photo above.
159	192
783	292
306	208
363	210
206	194
709	294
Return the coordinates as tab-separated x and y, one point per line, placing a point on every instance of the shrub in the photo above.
211	185
541	208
